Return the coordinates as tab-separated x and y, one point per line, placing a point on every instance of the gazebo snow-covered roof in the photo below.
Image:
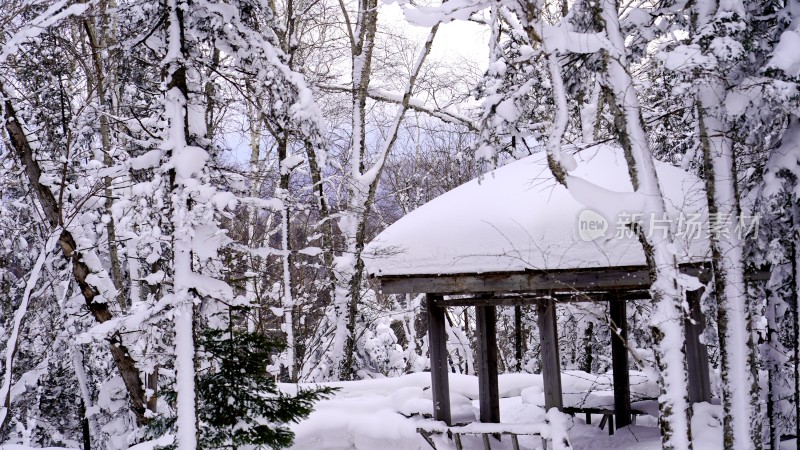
517	218
517	237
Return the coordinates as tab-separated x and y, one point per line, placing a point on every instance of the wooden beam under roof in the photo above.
534	281
572	280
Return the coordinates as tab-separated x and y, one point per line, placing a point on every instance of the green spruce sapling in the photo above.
238	400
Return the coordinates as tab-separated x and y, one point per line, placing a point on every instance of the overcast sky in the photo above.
457	38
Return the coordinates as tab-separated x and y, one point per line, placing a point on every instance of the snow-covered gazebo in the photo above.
516	237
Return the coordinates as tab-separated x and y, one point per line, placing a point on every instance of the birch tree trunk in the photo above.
177	146
740	398
13	338
362	185
287	285
772	360
98	43
668	295
741	424
796	322
667	319
347	293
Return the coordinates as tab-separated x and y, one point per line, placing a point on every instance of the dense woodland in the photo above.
181	174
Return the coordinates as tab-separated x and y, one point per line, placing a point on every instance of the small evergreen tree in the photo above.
238	400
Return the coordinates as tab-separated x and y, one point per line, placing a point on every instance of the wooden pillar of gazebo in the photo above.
437	347
619	362
486	332
696	351
551	361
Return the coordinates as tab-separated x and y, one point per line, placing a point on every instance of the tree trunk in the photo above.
177	110
347	294
772	345
741	424
96	45
795	255
80	270
667	319
288	296
588	337
519	343
363	185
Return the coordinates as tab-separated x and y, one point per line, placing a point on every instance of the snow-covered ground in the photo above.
385	413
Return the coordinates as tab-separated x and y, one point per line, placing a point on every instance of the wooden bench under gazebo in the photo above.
513	238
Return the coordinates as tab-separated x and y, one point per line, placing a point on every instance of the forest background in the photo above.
171	167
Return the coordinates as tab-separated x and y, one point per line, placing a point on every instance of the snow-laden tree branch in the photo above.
413	104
